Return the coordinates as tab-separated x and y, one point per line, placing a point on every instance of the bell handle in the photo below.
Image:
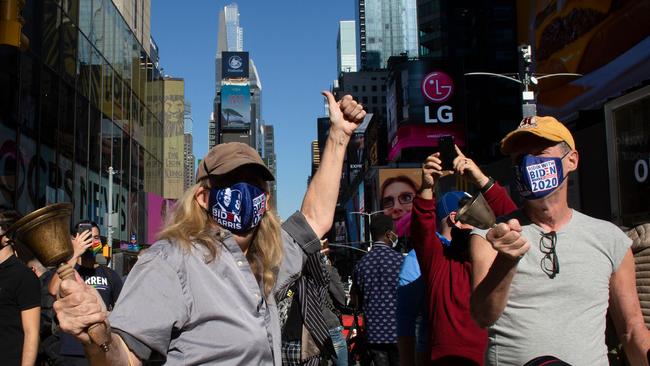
98	332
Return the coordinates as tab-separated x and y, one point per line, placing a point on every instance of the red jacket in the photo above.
454	337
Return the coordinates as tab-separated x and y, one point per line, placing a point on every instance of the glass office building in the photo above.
86	96
386	28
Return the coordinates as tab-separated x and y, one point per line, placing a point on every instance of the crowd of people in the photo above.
228	284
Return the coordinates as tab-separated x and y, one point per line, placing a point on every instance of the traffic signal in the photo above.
11	24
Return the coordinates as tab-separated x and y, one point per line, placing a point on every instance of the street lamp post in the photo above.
109	218
526	78
369	215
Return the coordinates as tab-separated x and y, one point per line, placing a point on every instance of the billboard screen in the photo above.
235	106
234	65
397	189
606	41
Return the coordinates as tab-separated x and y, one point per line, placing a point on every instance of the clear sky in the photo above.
293	44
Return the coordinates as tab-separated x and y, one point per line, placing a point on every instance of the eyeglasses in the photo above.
550	264
403	198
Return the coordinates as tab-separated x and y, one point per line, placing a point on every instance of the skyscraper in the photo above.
247	88
386	28
269	160
346	47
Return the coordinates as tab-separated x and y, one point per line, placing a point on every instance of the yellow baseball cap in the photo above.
547	128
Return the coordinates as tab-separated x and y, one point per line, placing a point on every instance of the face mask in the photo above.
537	177
238	208
393	240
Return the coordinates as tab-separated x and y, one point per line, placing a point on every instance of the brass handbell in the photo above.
46	233
477	213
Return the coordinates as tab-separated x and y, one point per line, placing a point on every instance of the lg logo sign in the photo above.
438	88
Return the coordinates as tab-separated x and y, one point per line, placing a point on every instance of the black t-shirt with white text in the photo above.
19	291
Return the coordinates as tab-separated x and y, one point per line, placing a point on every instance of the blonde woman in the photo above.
206	292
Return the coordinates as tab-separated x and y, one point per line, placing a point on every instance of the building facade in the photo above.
269	157
386	28
189	169
346	47
84	97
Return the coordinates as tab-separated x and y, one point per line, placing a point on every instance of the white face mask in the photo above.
393	240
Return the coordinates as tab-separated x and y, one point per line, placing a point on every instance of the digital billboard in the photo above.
235	106
607	42
425	100
397	189
174	109
234	65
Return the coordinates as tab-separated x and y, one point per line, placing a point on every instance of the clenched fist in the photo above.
78	306
506	239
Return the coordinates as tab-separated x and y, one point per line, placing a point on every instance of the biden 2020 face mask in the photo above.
536	177
238	208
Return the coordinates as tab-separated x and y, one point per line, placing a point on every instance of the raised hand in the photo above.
81	242
346	114
431	171
506	239
467	168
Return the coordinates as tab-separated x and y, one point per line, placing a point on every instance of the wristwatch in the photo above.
487	185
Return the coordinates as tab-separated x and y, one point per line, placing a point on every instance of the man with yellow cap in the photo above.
544	278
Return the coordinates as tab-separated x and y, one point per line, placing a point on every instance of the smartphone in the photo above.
84	226
447	152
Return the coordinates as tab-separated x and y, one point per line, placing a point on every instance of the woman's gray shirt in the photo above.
177	306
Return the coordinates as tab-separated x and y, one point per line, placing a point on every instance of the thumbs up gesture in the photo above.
346	114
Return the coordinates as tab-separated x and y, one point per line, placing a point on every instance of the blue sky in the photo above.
293	44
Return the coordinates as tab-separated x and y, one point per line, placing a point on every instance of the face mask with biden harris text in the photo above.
238	208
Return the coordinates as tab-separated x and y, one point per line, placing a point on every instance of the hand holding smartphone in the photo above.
447	152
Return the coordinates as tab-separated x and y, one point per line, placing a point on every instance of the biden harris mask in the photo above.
238	208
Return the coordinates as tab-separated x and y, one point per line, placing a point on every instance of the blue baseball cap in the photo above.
449	203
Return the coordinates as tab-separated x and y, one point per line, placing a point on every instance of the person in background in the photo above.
441	244
20	301
375	291
47	313
100	277
334	302
412	334
546	275
397	194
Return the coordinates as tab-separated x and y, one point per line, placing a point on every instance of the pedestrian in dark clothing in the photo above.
375	290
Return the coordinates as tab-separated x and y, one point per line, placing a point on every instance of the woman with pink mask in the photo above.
397	195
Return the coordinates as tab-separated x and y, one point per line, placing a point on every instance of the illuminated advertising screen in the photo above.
425	100
234	65
397	189
235	106
606	41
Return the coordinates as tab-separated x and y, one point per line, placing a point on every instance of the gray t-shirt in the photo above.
562	316
192	312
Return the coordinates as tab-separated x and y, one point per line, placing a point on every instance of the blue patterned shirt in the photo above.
376	277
